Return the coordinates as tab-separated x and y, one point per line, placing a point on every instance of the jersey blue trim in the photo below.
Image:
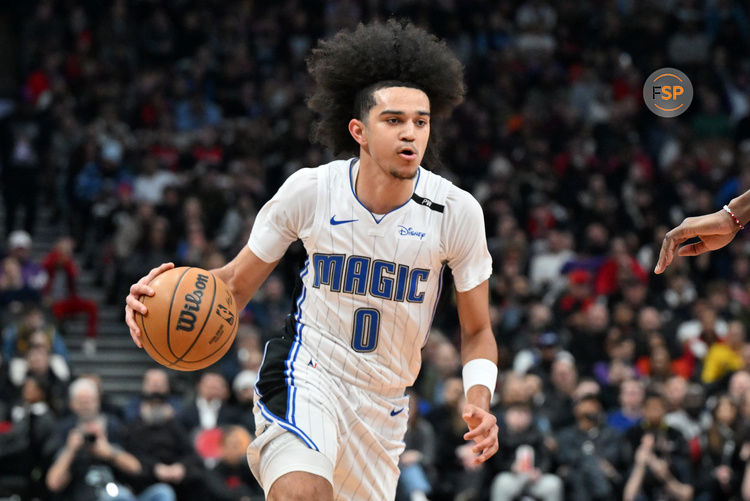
287	426
377	221
434	308
292	391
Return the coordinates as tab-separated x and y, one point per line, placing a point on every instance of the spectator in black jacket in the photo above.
88	457
459	476
720	467
661	467
589	453
164	450
24	449
210	407
522	463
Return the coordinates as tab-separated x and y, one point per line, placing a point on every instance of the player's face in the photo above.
397	130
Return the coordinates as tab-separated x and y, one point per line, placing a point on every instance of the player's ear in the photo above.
357	130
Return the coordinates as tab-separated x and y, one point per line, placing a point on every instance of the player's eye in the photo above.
421	122
393	120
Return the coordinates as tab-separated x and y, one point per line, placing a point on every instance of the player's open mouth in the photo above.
407	153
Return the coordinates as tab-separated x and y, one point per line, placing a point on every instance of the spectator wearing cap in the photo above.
630	413
590	453
243	387
19	248
539	360
575	299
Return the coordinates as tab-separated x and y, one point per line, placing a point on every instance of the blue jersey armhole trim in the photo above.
354	194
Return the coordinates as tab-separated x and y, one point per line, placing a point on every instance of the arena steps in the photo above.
118	362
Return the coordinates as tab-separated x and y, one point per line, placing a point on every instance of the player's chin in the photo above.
405	168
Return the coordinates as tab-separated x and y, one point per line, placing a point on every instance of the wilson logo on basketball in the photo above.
186	321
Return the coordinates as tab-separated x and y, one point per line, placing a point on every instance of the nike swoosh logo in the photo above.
395	412
334	222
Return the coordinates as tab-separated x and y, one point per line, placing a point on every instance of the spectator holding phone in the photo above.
89	465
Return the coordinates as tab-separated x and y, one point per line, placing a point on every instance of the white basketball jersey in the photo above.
371	282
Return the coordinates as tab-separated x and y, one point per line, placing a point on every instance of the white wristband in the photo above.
480	371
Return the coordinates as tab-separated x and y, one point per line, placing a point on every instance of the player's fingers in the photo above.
484	444
134	304
671	240
154	272
469	412
136	337
159	269
135	332
487	453
138	290
693	249
483	428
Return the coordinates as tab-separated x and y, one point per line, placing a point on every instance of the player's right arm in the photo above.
287	216
714	230
244	275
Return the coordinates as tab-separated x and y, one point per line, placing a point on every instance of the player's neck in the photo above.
379	191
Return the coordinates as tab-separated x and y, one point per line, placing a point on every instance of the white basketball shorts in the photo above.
307	420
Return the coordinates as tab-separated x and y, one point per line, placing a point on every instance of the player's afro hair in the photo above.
349	67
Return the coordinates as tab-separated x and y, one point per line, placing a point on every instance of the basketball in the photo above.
191	320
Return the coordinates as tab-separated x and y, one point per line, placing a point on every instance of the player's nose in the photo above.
407	132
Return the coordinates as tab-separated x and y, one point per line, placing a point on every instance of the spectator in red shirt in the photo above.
66	304
617	268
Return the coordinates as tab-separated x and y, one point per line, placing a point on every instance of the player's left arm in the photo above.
479	357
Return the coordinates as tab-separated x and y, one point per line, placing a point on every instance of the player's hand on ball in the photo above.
133	301
483	431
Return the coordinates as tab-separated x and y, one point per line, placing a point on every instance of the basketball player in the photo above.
378	229
715	230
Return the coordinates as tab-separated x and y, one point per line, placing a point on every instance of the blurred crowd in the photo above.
152	131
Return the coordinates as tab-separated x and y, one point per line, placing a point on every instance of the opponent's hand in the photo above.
482	430
715	231
133	301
